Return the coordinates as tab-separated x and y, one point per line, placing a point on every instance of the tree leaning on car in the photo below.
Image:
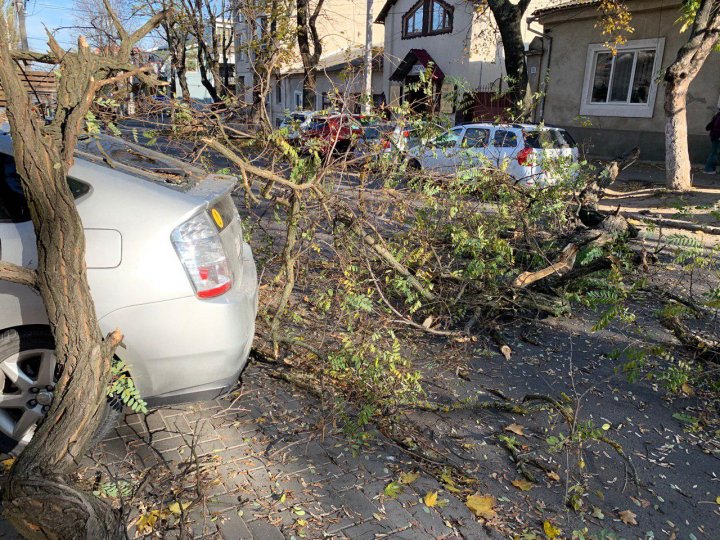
36	498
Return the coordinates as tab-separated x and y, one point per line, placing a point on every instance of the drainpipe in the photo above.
545	63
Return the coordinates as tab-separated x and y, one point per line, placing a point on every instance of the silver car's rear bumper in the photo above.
188	349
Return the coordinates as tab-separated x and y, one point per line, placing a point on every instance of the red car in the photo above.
331	133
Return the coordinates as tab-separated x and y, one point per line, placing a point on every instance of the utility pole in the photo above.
20	10
367	90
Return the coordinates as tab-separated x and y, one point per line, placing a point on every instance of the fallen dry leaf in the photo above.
552	475
430	499
522	484
551	531
517	429
627	517
482	505
506	352
408	477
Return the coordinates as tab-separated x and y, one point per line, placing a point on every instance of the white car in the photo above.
530	153
166	264
295	123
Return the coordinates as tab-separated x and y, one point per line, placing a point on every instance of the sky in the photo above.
52	14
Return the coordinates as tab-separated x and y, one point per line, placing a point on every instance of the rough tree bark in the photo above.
202	18
509	18
703	37
37	499
177	35
307	32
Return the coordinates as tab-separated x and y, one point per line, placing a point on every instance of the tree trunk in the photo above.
677	157
678	77
182	81
309	94
36	506
37	498
508	17
204	79
310	55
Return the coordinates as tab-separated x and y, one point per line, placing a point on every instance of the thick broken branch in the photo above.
252	169
560	266
18	274
704	347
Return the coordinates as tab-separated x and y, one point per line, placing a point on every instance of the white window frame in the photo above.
628	110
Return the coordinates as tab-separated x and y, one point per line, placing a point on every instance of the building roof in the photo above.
380	19
417	56
341	60
561	7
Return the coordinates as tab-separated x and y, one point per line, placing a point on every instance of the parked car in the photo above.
295	123
375	141
337	132
167	265
527	152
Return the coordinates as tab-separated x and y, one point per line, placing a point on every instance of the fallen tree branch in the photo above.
18	274
672	223
252	169
704	348
562	264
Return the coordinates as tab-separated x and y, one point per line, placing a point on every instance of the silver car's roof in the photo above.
119	154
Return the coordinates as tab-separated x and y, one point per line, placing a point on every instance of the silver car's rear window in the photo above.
13	206
549	138
116	153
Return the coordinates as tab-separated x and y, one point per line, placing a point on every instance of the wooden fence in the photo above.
41	87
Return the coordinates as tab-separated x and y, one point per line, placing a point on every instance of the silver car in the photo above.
532	154
167	265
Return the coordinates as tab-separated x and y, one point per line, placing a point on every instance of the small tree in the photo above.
202	17
175	33
36	498
268	43
704	35
310	46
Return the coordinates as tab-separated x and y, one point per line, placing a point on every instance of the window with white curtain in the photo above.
624	83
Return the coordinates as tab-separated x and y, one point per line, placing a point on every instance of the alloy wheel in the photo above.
27	384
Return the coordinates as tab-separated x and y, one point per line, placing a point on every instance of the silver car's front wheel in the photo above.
27	384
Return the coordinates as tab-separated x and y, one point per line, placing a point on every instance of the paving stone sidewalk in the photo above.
274	470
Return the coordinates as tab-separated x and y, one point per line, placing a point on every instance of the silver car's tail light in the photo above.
198	245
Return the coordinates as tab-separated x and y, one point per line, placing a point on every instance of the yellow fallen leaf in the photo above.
448	482
175	507
408	477
430	498
522	484
627	517
392	490
687	389
717	499
146	522
552	475
551	531
482	505
8	463
517	429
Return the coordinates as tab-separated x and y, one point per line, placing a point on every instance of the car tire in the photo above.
28	372
414	165
27	362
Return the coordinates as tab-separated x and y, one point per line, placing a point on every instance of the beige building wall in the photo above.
341	27
572	32
471	56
